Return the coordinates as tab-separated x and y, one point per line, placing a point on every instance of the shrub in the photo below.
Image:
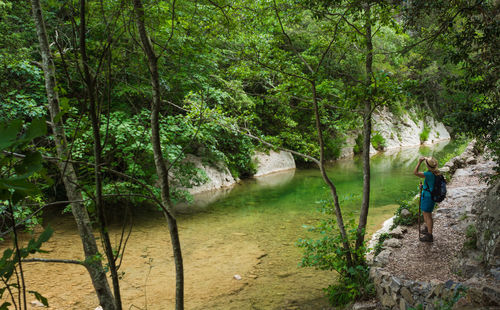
424	135
470	237
358	148
410	204
378	141
378	247
327	253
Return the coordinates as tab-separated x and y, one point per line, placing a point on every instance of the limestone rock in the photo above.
471	160
392	243
217	176
36	303
407	296
398	232
367	305
382	258
387	301
273	161
398	131
405	212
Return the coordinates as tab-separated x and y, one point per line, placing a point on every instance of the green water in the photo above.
300	191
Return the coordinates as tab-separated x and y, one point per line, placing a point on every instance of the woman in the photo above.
426	202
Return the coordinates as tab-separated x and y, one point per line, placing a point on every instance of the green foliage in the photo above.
378	247
358	147
462	145
424	135
328	253
10	260
20	177
470	237
17	185
410	204
378	141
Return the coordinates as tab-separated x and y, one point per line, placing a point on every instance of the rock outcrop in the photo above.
398	131
272	162
215	176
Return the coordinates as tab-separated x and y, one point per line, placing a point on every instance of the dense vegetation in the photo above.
228	78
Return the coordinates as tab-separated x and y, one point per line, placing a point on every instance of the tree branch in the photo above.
290	40
50	260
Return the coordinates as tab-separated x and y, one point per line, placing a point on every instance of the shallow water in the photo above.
249	230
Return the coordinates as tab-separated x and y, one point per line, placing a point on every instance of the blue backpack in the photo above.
438	193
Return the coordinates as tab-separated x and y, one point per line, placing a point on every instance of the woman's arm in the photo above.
416	172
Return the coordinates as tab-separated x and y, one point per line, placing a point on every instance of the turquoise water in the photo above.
301	190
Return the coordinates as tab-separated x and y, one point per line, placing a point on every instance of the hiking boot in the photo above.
427	238
424	230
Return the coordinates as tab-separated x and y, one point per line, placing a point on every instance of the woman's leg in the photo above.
428	221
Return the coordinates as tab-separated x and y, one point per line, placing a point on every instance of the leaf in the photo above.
29	165
5	306
36	129
40	298
46	234
8	133
20	184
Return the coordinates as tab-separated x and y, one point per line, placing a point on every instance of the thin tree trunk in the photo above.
367	129
161	168
333	189
94	266
89	81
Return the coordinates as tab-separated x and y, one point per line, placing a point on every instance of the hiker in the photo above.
426	202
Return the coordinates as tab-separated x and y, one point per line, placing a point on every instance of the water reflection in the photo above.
300	190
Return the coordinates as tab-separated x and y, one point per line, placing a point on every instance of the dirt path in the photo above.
424	261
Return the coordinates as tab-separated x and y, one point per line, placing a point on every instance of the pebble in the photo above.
36	303
237	277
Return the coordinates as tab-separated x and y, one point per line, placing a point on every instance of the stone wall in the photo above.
399	293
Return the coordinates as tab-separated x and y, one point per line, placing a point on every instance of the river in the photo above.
248	232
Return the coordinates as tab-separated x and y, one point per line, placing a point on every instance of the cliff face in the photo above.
398	131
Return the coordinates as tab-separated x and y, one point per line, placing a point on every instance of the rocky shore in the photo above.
461	268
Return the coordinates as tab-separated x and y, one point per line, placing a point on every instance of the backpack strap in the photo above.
428	187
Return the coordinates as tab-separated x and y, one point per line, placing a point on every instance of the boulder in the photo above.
392	243
405	213
382	258
217	176
398	232
273	161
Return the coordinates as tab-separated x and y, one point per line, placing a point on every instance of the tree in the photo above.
92	257
159	159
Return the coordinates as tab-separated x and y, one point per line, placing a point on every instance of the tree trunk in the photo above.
333	189
69	177
367	129
161	167
91	96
